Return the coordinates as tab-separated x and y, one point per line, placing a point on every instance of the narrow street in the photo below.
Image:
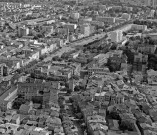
58	53
75	120
72	115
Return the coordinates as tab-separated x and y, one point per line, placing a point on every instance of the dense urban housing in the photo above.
78	67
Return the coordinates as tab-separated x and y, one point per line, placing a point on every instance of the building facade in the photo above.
3	70
38	92
116	36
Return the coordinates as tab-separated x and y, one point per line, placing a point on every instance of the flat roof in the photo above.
151	34
121	28
6	93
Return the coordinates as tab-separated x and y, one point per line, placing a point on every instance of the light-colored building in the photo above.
83	20
116	36
147	2
52	47
97	70
151	3
7	98
75	15
151	35
85	29
102	7
140	58
71	84
97	23
101	59
47	28
23	31
126	16
152	12
35	55
109	20
147	48
139	27
3	70
119	20
70	27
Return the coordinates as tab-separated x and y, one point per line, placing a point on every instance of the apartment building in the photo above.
119	20
71	27
109	20
153	36
139	27
97	70
151	3
101	59
126	16
47	28
23	31
116	36
3	70
85	29
75	15
147	48
37	91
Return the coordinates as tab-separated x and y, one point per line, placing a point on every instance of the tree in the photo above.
125	125
61	98
114	115
41	58
18	102
124	33
59	59
69	91
62	106
113	47
94	50
62	84
62	110
151	42
84	49
55	58
77	88
76	77
100	47
152	62
129	55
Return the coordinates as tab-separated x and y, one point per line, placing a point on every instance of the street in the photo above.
58	53
72	116
87	40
